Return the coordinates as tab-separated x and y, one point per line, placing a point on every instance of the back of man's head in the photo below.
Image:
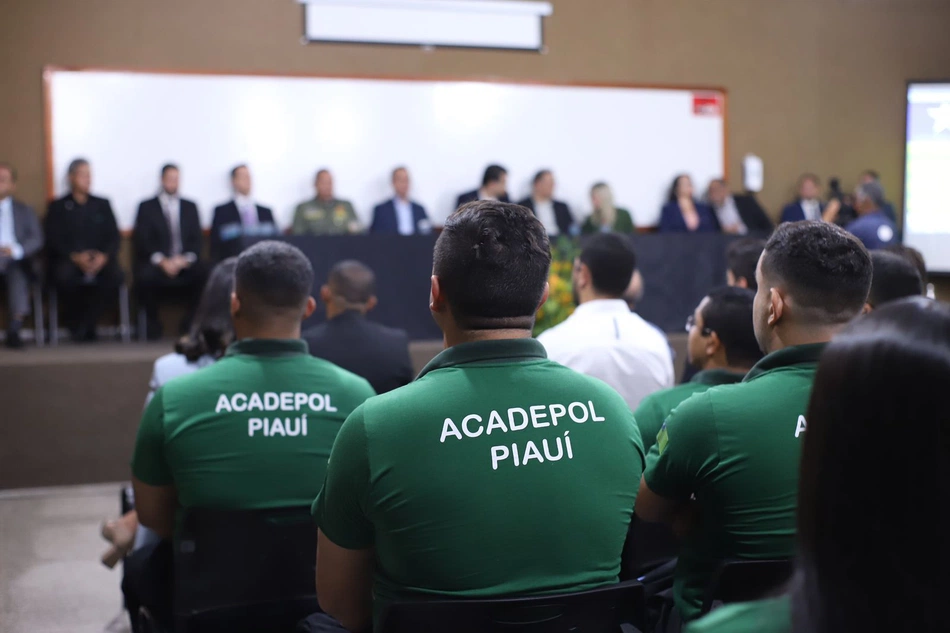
493	173
823	270
894	278
728	313
611	262
272	281
742	258
912	255
352	282
872	192
492	261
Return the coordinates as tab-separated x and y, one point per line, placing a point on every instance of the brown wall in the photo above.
813	84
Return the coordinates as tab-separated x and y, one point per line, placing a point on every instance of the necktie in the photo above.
173	229
249	214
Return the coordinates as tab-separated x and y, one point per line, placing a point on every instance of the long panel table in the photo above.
678	270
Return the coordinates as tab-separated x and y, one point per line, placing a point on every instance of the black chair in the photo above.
648	546
595	611
745	580
244	571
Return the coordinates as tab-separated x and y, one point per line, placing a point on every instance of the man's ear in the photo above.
867	309
235	305
713	344
776	306
582	278
371	303
544	296
742	282
437	302
325	294
310	307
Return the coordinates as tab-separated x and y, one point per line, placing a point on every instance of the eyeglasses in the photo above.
691	323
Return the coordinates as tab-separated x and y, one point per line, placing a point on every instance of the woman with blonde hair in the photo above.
606	218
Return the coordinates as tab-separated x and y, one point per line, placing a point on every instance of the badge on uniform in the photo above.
339	214
662	439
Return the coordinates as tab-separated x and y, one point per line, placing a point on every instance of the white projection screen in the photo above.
927	173
128	124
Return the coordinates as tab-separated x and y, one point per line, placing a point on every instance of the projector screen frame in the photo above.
942	274
50	69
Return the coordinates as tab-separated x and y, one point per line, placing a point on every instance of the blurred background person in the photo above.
894	278
869	176
239	218
554	214
371	350
809	206
915	257
606	218
737	214
82	240
742	258
682	213
168	241
399	215
494	187
860	567
20	239
325	214
873	227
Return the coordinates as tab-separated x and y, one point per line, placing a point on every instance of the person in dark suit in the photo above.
82	241
554	214
808	206
20	239
167	241
683	213
399	215
738	214
377	353
239	218
494	187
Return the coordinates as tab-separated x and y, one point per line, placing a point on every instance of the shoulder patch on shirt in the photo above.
885	233
662	439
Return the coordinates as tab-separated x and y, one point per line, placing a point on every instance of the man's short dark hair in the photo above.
492	261
397	170
912	255
873	175
353	281
236	168
611	261
742	258
493	173
894	277
823	267
272	277
75	164
728	313
541	174
10	168
169	167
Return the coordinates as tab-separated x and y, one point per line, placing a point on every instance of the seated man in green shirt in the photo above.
253	430
325	214
497	472
725	463
721	345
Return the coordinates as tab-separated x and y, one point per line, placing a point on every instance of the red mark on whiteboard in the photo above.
707	104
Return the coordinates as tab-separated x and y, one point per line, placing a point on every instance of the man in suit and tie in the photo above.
809	205
400	215
167	241
494	187
239	218
377	353
82	241
554	214
738	214
20	239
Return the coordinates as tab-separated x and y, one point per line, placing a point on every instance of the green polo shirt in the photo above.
497	472
325	217
737	449
765	616
655	408
254	430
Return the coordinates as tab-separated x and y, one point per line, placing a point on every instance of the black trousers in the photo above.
152	285
147	582
85	299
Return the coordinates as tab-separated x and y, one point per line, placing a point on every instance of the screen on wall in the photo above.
927	173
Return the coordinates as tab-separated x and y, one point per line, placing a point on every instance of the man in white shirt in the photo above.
20	238
809	205
400	215
725	207
554	214
603	338
239	218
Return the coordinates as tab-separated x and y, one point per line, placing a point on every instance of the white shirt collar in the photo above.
6	203
603	306
167	198
243	201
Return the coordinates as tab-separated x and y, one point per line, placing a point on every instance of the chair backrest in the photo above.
745	580
247	570
648	545
596	611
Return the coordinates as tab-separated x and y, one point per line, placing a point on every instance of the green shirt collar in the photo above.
795	355
507	349
717	377
268	347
